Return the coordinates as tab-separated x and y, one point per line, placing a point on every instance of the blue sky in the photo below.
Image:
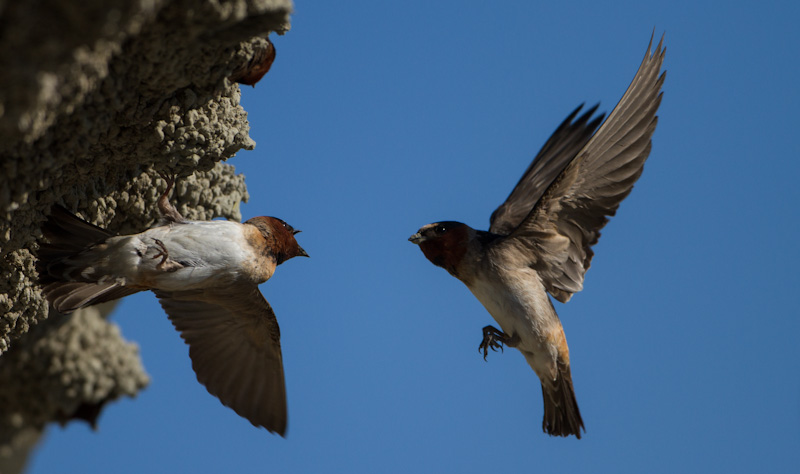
378	118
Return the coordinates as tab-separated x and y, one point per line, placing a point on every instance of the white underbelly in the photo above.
519	304
211	254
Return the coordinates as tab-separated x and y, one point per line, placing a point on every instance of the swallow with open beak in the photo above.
205	275
540	239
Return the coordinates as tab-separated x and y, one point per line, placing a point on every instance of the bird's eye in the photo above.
441	229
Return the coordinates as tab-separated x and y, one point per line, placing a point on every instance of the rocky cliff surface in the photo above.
96	97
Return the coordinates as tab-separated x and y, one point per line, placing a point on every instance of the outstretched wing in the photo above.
234	343
564	224
555	155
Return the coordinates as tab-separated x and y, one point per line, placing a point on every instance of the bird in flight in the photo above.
540	239
205	275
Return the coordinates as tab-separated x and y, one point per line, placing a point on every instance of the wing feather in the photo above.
234	344
551	160
577	204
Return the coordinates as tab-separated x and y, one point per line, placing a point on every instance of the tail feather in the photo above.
64	228
62	274
66	236
561	414
67	296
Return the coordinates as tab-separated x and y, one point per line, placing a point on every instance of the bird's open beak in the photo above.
416	238
295	232
302	253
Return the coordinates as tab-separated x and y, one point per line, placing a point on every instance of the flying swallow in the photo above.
540	239
205	275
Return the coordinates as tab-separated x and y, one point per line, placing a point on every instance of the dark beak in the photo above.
296	232
302	252
416	238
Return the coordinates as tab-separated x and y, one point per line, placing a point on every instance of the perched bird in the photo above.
205	275
256	67
540	239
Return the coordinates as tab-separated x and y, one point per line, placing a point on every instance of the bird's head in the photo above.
279	237
443	243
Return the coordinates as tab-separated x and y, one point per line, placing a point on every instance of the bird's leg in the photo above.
168	212
165	264
494	339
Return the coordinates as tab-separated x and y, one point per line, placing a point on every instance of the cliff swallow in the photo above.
256	67
540	239
205	275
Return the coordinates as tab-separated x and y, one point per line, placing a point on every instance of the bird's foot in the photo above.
168	212
494	339
165	265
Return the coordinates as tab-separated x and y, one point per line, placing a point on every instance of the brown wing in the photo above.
234	343
560	230
555	155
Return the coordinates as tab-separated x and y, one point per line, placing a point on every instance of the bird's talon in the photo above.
168	212
493	339
163	253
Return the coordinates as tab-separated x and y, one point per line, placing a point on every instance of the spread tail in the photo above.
65	267
561	414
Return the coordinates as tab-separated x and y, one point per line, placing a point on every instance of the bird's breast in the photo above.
516	299
208	254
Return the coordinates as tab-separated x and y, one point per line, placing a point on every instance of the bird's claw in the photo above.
493	339
165	265
168	212
162	252
170	179
491	344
